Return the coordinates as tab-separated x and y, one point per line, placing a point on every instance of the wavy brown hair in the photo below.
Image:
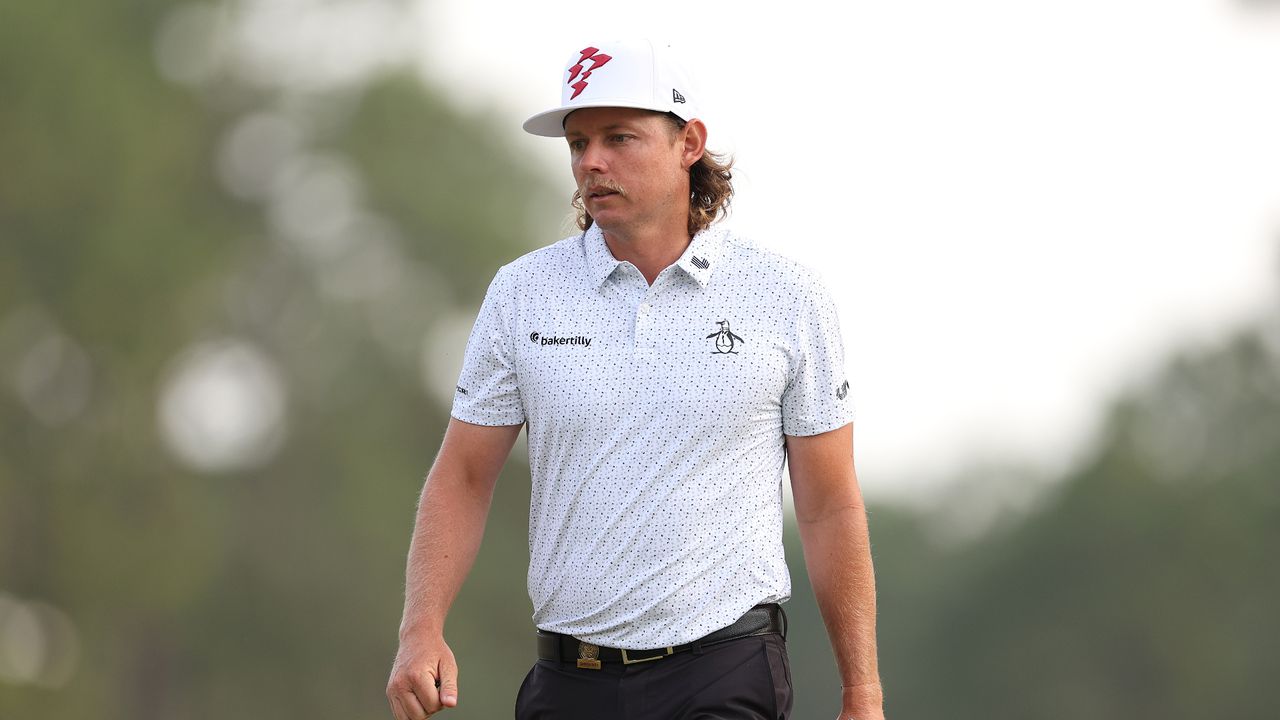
710	188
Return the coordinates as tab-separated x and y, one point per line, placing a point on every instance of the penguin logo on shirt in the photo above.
725	339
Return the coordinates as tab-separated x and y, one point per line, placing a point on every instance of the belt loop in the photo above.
697	647
783	613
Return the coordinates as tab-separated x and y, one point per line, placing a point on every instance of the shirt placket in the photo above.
648	327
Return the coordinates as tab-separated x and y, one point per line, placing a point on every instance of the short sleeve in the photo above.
817	397
488	392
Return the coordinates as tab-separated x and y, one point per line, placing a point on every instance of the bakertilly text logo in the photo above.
544	340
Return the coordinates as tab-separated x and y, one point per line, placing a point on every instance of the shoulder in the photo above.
556	256
546	263
761	264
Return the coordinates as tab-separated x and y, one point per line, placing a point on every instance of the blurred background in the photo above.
242	244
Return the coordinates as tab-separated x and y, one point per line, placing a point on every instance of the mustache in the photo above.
596	184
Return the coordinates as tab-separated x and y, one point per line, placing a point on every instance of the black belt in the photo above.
759	620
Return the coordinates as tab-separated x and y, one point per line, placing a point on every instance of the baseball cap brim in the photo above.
551	122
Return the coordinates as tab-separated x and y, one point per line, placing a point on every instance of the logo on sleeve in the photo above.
843	391
725	339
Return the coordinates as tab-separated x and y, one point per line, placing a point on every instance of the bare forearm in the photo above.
833	528
447	533
446	537
838	556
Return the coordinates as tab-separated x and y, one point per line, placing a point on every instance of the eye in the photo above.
620	138
577	145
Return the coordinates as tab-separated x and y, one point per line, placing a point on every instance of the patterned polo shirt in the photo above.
656	417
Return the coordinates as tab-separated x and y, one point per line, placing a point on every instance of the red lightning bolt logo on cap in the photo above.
597	58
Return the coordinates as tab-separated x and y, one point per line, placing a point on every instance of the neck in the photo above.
651	249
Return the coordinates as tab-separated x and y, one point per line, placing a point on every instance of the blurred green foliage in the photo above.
1141	584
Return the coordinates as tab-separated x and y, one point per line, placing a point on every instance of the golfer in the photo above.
665	368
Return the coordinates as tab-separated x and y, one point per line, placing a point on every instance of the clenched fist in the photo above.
424	678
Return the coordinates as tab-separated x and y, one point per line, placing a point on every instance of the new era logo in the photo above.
676	96
699	262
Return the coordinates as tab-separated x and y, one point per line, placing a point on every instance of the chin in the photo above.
606	224
607	219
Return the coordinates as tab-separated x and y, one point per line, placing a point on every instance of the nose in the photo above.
592	158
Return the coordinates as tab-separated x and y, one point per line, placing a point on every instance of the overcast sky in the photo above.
1019	207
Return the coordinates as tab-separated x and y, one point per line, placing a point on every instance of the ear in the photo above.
695	142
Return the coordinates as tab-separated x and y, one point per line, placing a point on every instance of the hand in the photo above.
424	678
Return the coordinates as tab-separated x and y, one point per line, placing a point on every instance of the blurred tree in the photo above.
132	230
325	244
1143	587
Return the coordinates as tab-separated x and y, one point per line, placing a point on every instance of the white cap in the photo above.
624	73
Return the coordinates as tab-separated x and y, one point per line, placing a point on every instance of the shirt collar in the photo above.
600	262
703	255
698	261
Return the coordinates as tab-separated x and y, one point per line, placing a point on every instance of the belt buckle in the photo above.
628	661
588	656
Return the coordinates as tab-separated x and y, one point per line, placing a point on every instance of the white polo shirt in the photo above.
655	424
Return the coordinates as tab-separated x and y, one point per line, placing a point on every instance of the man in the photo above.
665	369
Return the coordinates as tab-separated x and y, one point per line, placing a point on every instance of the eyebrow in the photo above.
606	128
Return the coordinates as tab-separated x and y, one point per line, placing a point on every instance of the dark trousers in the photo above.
744	679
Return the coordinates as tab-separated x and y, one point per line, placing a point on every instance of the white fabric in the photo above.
620	73
656	451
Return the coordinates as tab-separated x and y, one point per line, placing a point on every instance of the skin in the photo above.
647	225
837	554
446	537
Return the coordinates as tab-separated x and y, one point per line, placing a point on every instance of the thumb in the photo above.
448	682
